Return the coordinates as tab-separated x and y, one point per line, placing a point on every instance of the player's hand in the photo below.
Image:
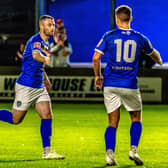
47	60
60	43
66	53
47	84
99	82
160	61
17	53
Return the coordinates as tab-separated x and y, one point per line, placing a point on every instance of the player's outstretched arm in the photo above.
41	58
97	69
156	57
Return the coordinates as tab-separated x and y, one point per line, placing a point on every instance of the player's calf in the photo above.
18	116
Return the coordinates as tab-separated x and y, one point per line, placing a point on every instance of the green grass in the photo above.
78	133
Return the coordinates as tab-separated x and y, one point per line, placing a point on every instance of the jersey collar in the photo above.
124	29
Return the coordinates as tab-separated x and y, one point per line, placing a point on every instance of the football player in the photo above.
33	83
123	47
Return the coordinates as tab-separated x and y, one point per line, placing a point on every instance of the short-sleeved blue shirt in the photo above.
32	70
123	48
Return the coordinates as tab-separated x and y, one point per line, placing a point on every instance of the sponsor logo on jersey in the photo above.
126	32
45	49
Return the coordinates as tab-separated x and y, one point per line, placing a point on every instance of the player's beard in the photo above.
48	33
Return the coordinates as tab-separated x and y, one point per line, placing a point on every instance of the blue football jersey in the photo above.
32	70
123	48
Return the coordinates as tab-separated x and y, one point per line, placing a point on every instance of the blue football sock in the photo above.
110	138
46	132
135	132
6	115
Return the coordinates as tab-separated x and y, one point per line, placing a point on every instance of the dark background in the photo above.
85	21
17	18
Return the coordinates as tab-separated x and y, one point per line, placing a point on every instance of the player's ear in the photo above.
116	20
41	24
131	18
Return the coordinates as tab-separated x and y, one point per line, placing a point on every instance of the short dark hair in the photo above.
43	17
124	13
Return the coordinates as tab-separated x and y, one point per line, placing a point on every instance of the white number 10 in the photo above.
127	44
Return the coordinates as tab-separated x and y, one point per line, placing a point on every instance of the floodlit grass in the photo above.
78	133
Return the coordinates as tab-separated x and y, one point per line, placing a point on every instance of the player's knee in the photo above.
17	121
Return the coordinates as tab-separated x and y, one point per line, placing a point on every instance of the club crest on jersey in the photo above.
37	45
18	103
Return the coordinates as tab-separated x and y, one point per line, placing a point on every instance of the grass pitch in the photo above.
78	133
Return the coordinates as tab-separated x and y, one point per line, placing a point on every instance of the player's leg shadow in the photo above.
22	160
103	166
125	166
129	166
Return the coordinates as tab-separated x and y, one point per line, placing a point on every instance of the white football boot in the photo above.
52	155
134	156
110	160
